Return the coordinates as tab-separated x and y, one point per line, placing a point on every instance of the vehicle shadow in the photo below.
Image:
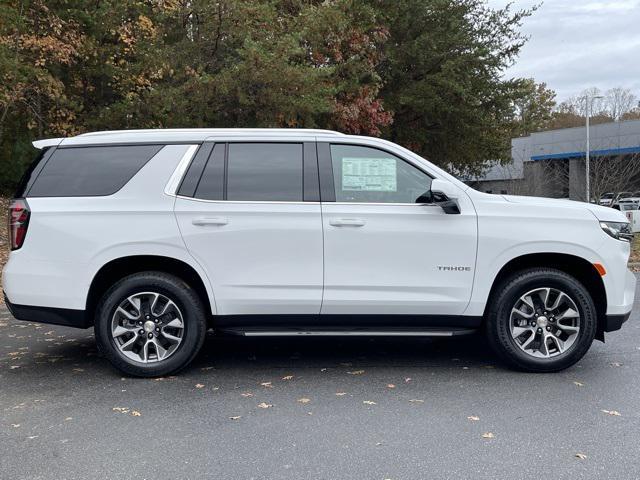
28	348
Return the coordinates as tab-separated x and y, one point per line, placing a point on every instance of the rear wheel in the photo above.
150	324
541	320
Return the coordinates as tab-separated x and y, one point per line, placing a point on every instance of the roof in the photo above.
175	135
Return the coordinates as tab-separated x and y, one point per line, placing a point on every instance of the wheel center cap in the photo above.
149	326
541	320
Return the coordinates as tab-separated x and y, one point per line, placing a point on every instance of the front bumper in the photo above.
55	316
614	322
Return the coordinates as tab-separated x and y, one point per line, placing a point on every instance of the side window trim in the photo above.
327	184
310	175
325	168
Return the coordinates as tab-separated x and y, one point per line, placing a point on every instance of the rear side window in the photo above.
265	172
90	171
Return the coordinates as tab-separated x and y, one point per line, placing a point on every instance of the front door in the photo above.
251	221
385	253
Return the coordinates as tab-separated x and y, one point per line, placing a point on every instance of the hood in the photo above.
602	213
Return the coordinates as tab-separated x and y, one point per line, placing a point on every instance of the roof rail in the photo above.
212	131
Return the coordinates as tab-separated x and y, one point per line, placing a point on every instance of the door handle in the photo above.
347	222
202	221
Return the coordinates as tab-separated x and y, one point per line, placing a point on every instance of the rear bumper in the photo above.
54	316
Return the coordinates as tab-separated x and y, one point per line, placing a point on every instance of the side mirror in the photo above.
443	193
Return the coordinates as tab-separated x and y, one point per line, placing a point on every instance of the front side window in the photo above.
265	172
368	175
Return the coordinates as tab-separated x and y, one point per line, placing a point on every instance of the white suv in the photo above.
153	236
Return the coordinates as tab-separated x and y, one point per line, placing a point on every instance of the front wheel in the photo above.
150	324
541	320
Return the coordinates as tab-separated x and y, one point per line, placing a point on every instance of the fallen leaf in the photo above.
488	435
341	394
247	394
120	409
369	402
391	385
264	405
199	385
615	413
235	418
407	380
578	384
415	400
136	413
581	456
288	377
15	425
616	364
267	384
68	418
473	418
356	372
304	400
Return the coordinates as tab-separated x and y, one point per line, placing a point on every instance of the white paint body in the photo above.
304	257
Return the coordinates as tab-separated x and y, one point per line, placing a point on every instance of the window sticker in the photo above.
369	174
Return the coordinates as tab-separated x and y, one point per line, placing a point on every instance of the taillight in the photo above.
19	214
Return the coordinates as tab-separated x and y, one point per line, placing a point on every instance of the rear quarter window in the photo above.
90	171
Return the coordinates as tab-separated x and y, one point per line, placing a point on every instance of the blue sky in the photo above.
576	44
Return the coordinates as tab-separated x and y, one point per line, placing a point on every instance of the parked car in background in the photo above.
606	199
629	198
152	236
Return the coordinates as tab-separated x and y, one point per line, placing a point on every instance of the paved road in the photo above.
64	413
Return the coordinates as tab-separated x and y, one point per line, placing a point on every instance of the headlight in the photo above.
618	230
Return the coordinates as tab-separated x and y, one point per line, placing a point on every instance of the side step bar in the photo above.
350	333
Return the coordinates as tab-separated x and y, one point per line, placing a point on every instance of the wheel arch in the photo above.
120	267
583	270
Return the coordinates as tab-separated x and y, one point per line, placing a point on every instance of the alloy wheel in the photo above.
545	322
147	327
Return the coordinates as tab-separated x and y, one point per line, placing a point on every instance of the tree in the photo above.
443	79
533	107
619	101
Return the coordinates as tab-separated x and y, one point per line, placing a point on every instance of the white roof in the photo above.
176	135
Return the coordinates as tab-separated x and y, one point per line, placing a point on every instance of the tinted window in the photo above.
90	171
211	183
368	175
32	171
264	172
194	172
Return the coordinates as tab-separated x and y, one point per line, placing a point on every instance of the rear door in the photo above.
386	251
249	213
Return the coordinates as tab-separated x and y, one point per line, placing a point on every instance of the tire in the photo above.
160	310
503	323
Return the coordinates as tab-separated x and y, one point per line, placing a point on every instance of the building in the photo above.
552	163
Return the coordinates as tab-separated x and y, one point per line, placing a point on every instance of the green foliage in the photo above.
426	74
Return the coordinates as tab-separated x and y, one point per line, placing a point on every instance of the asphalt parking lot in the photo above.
304	408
